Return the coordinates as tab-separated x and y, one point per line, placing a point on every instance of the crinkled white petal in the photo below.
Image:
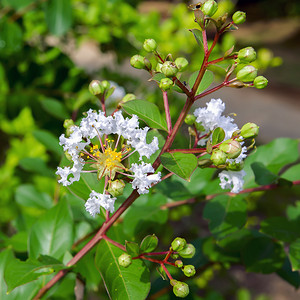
232	180
142	181
96	200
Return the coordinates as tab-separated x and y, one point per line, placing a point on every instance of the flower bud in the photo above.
190	119
260	82
158	67
150	45
96	88
137	61
68	156
116	187
239	17
189	270
178	244
105	84
169	69
218	157
165	84
235	166
128	97
125	260
209	8
247	55
232	148
174	255
181	289
248	73
188	251
204	163
179	263
236	84
181	63
249	130
68	123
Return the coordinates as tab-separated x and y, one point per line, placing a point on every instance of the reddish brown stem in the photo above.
105	237
193	150
167	111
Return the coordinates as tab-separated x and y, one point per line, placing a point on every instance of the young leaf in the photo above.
262	175
181	164
132	248
149	243
146	111
157	77
128	283
52	234
225	214
198	36
206	81
218	135
58	16
55	108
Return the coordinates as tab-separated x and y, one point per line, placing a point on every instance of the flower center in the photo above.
112	158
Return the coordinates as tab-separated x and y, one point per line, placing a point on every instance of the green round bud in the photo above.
218	157
188	251
128	97
189	270
246	74
96	88
137	61
68	156
178	244
239	17
169	69
190	119
116	187
232	148
249	130
158	67
209	8
247	55
179	263
260	82
204	163
105	84
165	84
181	289
125	260
173	282
68	123
181	63
236	84
150	45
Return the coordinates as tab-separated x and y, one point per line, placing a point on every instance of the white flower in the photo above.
96	200
141	180
211	117
232	180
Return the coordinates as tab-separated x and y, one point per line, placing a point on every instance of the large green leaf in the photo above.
36	165
286	273
27	195
225	214
122	283
49	140
20	272
262	175
274	156
52	234
206	81
263	255
293	173
58	16
294	254
146	111
181	164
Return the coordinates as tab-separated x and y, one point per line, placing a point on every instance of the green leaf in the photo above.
58	16
181	164
55	108
18	242
198	36
158	77
49	140
263	255
292	173
281	228
146	111
11	37
149	243
19	272
262	175
294	254
274	156
121	283
27	195
17	4
225	214
52	234
132	248
286	273
36	165
206	81
218	135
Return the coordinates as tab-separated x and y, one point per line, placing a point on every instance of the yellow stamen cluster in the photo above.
112	158
95	151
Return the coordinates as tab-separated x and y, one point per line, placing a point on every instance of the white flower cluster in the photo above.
210	117
97	125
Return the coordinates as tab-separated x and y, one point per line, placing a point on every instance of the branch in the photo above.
167	110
